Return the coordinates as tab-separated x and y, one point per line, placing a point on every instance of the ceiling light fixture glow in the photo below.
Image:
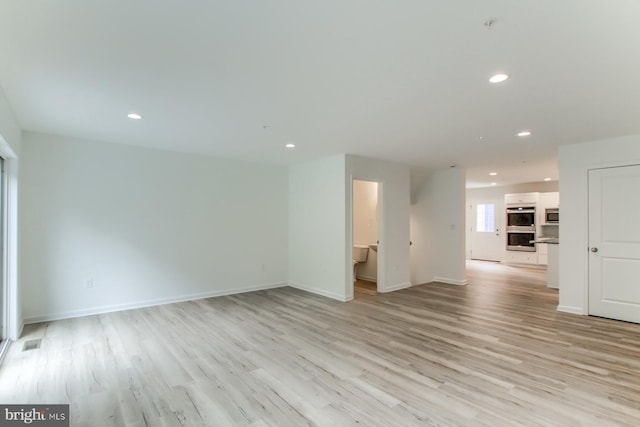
134	116
499	77
493	173
524	133
494	183
547	179
290	145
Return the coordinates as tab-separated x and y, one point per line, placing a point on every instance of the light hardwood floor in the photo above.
494	352
364	287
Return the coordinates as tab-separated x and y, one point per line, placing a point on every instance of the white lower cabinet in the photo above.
540	257
543	251
521	257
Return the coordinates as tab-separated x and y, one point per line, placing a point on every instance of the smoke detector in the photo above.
490	23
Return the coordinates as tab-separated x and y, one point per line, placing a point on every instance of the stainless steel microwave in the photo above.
552	216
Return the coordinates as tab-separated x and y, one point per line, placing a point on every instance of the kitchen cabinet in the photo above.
546	201
549	200
521	198
553	268
521	257
541	201
543	251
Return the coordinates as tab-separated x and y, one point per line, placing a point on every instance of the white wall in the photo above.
317	200
147	226
438	228
10	147
9	127
574	163
394	271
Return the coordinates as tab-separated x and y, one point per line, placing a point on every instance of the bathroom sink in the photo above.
374	247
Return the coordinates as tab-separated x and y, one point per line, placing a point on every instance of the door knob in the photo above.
594	250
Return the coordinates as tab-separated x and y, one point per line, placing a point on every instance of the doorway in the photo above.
487	240
365	236
614	243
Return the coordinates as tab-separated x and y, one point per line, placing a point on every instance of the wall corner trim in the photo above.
395	287
450	281
572	310
321	292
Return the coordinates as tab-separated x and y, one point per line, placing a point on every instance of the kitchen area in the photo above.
533	231
517	225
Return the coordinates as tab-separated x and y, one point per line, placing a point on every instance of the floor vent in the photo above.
32	344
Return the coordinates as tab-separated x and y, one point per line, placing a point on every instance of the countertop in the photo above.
550	240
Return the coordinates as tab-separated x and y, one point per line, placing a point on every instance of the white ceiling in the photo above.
399	80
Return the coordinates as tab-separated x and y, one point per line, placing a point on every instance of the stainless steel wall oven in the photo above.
521	228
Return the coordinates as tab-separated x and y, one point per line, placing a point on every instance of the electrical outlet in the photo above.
89	284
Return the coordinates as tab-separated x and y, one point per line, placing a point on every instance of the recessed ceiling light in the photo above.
493	173
524	133
494	183
290	145
499	77
547	179
134	116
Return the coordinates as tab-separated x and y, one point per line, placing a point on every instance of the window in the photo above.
485	219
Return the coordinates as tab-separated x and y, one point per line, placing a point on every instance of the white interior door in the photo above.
614	243
487	241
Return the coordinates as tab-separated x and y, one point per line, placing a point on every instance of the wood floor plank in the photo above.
494	352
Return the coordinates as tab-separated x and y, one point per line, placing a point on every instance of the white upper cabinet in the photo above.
520	198
550	200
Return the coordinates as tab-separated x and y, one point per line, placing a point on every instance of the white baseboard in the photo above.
450	281
148	303
367	278
321	292
396	287
571	309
